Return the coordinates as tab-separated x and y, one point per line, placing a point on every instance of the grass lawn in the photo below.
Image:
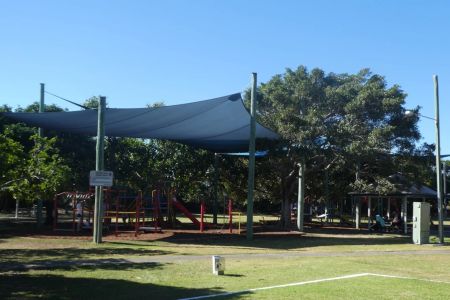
179	279
29	248
182	267
358	288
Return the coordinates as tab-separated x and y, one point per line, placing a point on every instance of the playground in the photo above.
164	230
155	244
136	214
151	243
225	150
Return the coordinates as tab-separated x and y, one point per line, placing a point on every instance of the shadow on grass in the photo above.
22	259
76	253
321	236
282	242
111	264
25	286
17	227
233	275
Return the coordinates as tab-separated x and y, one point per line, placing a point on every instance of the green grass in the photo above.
192	278
33	249
190	275
358	288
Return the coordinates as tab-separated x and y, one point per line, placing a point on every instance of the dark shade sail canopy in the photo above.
220	124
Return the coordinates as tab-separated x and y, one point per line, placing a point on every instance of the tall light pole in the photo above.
440	194
301	195
251	160
41	135
439	185
99	166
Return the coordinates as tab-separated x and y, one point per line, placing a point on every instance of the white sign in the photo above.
101	178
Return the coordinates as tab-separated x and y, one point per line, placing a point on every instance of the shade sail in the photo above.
220	124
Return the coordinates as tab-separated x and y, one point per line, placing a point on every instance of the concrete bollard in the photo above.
218	265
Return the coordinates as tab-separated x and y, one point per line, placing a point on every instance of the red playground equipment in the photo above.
69	201
123	213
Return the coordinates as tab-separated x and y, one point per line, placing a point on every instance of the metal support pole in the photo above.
440	195
369	209
444	179
327	196
42	107
215	187
402	210
405	215
137	215
389	207
99	165
358	213
301	196
358	203
74	205
251	161
230	215
41	135
55	212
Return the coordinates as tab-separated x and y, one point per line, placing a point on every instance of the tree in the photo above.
77	151
12	158
342	126
188	170
34	175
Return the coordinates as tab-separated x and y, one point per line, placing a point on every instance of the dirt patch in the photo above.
27	228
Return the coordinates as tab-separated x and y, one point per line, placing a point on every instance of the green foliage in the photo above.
42	173
186	169
34	107
132	161
92	102
343	126
12	160
32	167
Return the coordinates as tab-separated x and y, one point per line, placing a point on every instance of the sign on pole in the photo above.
101	178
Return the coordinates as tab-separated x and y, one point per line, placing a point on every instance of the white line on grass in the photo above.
310	282
410	278
277	286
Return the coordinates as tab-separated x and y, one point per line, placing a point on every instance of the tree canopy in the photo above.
348	129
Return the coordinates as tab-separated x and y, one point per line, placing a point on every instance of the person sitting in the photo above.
382	224
396	221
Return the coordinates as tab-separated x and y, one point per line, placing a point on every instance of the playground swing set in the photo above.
125	213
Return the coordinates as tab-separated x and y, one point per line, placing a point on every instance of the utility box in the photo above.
421	223
218	265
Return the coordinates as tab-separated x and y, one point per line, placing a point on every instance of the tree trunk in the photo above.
286	214
288	185
17	209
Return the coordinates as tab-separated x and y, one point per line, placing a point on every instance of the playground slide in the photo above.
186	212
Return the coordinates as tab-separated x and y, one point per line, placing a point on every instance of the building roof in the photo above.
403	187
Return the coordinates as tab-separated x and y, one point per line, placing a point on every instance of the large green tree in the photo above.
38	174
345	128
36	167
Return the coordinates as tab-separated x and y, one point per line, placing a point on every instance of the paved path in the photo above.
14	266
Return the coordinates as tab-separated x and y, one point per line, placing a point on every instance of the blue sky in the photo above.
140	52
